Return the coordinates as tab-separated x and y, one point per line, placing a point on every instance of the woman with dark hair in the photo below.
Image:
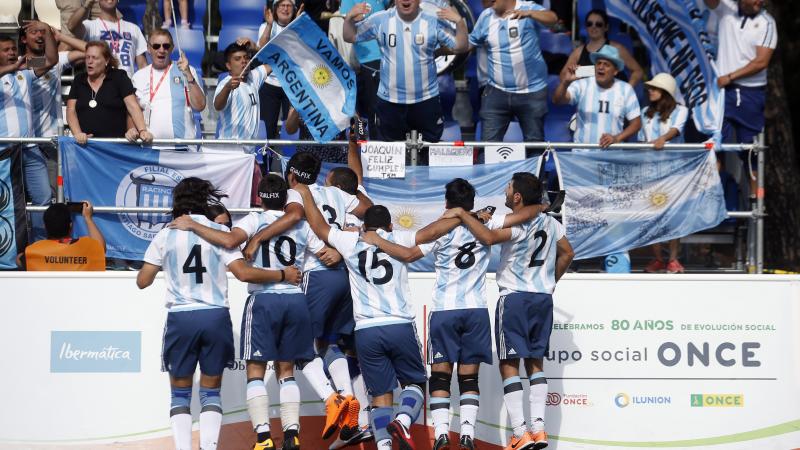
663	121
597	31
220	214
102	102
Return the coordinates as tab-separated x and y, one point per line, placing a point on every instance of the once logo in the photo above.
556	399
717	400
95	351
553	399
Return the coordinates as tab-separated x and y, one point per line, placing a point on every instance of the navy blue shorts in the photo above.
276	327
744	116
523	321
397	119
460	335
329	302
389	354
204	336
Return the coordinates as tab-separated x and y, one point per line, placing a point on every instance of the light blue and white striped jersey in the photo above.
280	252
195	271
408	65
276	28
334	204
16	119
169	115
239	119
528	259
482	70
653	128
461	262
46	99
351	221
515	62
601	110
378	282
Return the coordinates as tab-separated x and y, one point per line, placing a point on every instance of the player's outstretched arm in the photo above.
294	213
354	153
146	275
363	205
564	255
249	274
526	214
396	251
484	235
437	229
226	239
314	217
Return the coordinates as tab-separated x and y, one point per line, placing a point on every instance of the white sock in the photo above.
258	405
440	413
512	396
210	423
290	404
537	397
340	374
385	444
405	419
360	391
315	374
182	431
468	410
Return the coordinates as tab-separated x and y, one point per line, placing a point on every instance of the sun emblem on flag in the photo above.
658	199
321	76
406	218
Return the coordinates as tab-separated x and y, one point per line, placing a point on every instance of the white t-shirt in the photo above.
739	36
125	39
169	115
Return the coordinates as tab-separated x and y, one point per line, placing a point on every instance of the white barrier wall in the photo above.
635	361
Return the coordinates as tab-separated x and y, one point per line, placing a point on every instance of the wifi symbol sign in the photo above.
505	152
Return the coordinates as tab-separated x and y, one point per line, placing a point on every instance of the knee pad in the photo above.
181	399
439	381
468	383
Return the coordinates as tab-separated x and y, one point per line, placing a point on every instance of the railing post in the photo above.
413	144
760	204
59	174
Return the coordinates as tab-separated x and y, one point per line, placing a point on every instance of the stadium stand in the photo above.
559	43
245	13
193	43
229	34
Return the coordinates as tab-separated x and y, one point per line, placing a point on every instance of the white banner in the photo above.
503	153
635	361
383	159
447	155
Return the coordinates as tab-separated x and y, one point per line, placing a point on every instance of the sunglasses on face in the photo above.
166	46
590	24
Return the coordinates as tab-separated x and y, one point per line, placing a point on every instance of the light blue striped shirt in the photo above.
195	271
169	115
408	65
653	128
378	282
16	119
239	119
46	98
601	110
515	62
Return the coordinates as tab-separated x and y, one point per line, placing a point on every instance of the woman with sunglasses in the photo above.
597	32
663	121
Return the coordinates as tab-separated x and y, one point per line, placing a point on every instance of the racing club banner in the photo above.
132	176
674	32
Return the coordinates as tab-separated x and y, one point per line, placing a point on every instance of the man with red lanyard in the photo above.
125	38
168	92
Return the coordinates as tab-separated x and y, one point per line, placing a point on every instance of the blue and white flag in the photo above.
317	80
131	176
13	221
418	199
675	34
619	200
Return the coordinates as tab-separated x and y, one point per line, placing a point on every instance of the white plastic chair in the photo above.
48	12
9	11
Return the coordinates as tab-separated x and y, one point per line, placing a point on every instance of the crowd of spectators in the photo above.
119	94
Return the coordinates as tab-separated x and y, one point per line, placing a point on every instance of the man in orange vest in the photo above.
61	252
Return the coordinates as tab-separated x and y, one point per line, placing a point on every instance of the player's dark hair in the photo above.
305	166
235	48
272	190
528	186
57	221
377	216
193	196
217	209
459	193
345	179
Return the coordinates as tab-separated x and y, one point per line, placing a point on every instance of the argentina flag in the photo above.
675	34
618	200
317	80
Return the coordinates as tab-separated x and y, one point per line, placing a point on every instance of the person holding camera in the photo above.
60	251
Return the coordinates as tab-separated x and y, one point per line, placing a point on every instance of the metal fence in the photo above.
415	144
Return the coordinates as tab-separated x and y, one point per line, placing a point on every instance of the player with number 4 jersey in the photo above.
198	328
534	255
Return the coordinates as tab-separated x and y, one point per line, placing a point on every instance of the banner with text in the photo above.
383	159
131	176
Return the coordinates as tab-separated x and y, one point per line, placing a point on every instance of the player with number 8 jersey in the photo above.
198	327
